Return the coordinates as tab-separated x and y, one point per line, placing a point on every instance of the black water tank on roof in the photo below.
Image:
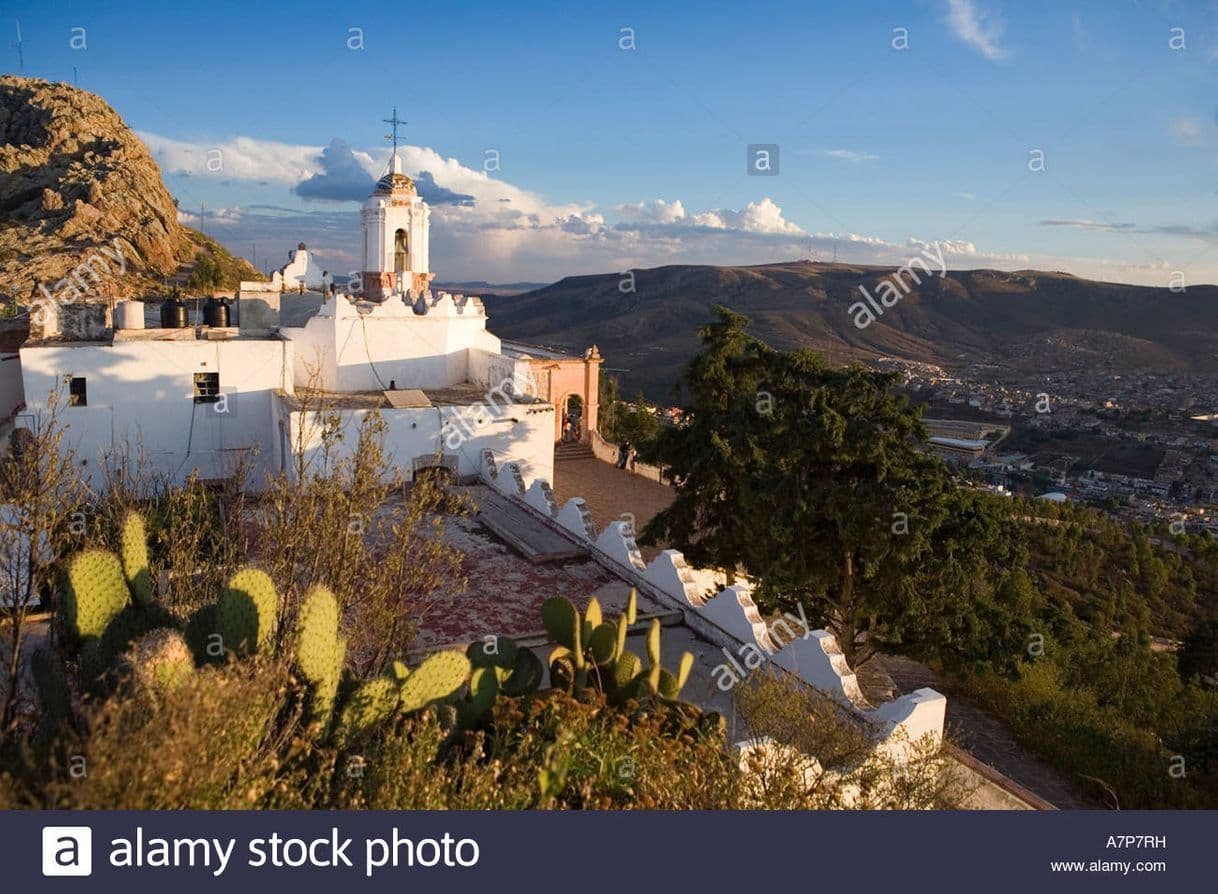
173	314
215	312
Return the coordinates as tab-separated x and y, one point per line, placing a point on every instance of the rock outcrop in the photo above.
77	187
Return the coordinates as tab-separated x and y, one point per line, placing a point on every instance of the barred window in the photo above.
207	388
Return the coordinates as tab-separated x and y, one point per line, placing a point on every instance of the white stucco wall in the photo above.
452	431
11	392
301	268
353	351
492	369
141	393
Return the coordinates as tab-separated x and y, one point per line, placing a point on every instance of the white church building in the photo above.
210	398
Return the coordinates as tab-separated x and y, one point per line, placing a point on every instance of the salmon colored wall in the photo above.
562	378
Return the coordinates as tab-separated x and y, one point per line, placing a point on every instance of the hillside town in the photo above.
1141	445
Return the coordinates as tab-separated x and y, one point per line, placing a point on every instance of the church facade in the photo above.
206	399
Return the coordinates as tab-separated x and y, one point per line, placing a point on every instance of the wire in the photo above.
368	354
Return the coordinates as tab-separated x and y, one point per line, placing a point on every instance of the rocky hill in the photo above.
77	187
1028	322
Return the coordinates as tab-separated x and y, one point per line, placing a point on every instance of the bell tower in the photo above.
396	232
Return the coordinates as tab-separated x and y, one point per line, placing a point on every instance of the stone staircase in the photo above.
571	451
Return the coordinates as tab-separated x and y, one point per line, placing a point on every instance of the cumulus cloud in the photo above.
756	217
484	227
242	158
976	26
343	178
658	211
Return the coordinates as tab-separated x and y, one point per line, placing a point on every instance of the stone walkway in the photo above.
611	493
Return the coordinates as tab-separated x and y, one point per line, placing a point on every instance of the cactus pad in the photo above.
653	643
371	704
135	558
526	674
602	645
317	634
95	593
438	677
562	622
246	612
496	651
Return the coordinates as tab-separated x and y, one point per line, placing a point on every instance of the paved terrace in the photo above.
610	493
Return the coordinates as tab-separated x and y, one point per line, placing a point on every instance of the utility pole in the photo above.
202	213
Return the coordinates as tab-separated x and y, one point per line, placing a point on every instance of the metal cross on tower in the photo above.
395	121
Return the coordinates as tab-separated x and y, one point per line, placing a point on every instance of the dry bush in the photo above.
40	489
823	755
546	752
216	741
347	520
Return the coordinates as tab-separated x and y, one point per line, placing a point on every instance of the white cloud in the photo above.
659	211
977	27
243	158
221	216
1187	130
850	155
507	233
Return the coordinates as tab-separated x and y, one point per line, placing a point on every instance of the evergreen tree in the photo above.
814	480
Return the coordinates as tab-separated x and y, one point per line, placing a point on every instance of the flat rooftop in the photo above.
463	394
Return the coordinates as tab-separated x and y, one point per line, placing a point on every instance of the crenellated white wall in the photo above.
729	618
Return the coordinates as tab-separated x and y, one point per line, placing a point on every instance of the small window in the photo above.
207	388
78	392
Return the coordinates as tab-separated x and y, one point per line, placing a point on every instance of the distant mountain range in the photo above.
482	287
1023	322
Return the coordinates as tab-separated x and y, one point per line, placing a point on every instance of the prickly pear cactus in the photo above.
370	705
437	678
161	660
246	612
526	676
483	690
319	651
562	622
134	554
653	643
493	651
127	626
205	642
95	593
317	634
602	645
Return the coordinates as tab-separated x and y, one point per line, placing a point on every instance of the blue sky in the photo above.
612	157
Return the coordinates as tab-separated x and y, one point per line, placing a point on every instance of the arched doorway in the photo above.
401	251
572	420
